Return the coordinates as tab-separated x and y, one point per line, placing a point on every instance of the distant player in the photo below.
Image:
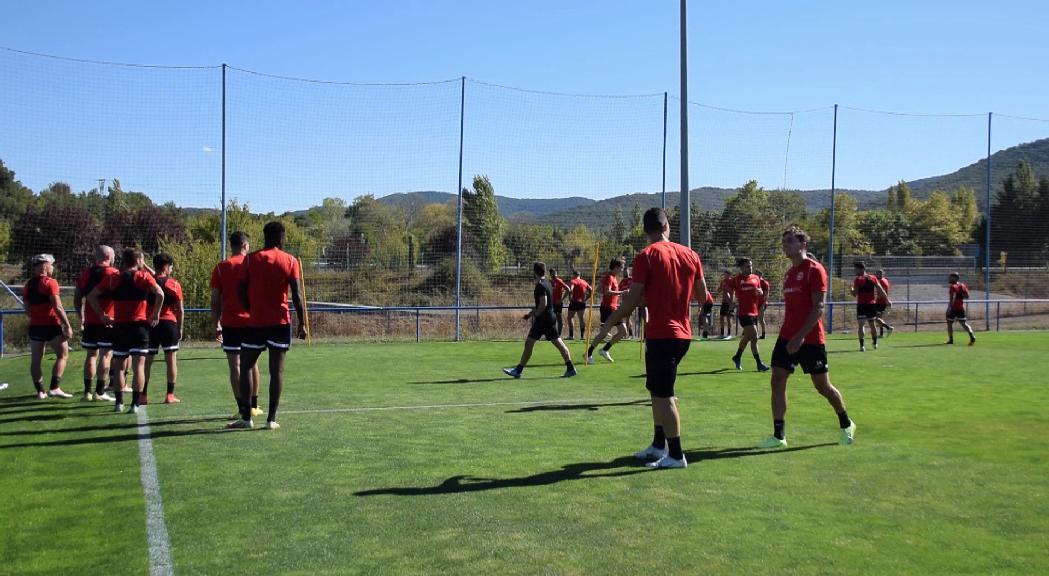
958	293
268	275
668	276
95	337
725	314
801	339
706	317
167	334
882	303
560	288
48	325
130	290
765	289
746	287
579	293
610	293
624	287
544	325
866	289
231	319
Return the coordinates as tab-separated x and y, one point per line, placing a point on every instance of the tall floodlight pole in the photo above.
987	235
663	196
830	236
101	186
459	217
686	204
223	215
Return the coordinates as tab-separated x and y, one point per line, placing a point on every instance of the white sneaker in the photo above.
133	409
651	453
772	442
604	354
272	425
240	424
668	462
41	395
847	434
590	360
3	385
59	393
118	408
87	397
104	397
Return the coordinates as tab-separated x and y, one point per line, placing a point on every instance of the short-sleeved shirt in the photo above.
866	291
37	292
89	278
958	292
725	290
746	289
268	272
765	288
578	288
172	296
543	289
668	272
799	285
226	278
885	285
609	282
130	291
710	298
624	284
559	287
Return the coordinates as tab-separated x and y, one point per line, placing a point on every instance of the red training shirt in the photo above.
746	289
130	291
958	293
267	273
89	278
559	286
799	284
609	282
668	272
866	293
578	287
765	288
725	290
885	285
172	294
226	278
37	293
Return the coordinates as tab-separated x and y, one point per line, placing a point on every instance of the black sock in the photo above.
240	405
607	347
171	387
87	385
145	387
777	428
874	338
100	386
120	394
861	342
590	350
659	440
843	419
39	386
520	368
56	382
255	401
135	395
569	365
674	446
757	358
738	354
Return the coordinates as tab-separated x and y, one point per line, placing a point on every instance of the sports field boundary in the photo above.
160	563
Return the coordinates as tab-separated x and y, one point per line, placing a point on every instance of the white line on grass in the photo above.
156	527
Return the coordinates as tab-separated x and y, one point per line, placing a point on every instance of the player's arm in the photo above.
300	308
540	307
818	302
158	301
852	289
882	293
699	289
216	308
96	305
56	303
180	315
78	304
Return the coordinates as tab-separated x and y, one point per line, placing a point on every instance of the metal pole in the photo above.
223	223
664	195
101	186
987	234
830	240
686	224
459	217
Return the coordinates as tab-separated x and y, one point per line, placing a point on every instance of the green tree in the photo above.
936	227
481	219
889	233
15	198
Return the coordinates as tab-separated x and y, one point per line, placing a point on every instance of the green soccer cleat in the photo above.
772	443
847	434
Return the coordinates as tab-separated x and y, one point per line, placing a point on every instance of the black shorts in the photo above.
866	311
44	333
543	328
164	336
881	308
273	337
956	315
708	307
232	338
811	357
573	305
130	339
96	336
606	312
726	310
745	321
558	308
661	359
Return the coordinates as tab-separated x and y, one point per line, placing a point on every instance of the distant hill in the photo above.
599	214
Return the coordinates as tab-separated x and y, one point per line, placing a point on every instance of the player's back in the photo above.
668	272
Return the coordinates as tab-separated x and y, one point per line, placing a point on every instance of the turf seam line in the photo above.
156	526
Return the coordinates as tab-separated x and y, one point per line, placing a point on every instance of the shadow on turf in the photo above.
590	407
706	373
580	471
119	426
479	380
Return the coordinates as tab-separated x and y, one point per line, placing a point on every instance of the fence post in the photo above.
987	233
223	215
915	317
459	217
2	335
830	243
998	317
664	194
417	331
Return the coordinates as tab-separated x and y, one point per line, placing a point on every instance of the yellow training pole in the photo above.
590	305
305	307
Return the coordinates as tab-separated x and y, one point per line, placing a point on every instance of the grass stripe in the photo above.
160	563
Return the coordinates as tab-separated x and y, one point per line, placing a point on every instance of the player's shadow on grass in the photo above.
579	471
933	345
115	426
40	407
703	373
154	435
482	380
565	407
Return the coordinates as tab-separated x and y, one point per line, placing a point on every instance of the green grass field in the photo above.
424	459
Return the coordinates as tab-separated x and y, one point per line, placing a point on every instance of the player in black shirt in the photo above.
544	324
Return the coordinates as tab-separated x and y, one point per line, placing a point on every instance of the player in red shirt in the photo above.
747	290
560	288
610	293
668	276
268	275
765	289
801	338
706	318
725	314
168	332
883	304
579	293
958	293
867	290
95	337
624	287
230	317
48	325
131	291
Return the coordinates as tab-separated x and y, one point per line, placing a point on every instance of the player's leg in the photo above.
138	378
249	357
60	347
105	360
147	370
661	361
118	375
761	320
821	381
861	323
566	355
874	331
969	330
276	384
90	368
36	371
171	361
950	329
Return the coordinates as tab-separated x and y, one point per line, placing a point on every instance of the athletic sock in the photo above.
777	428
738	354
569	365
87	385
520	368
100	386
39	386
254	401
145	387
843	419
674	446
135	395
119	391
56	382
874	339
861	342
659	440
607	347
590	350
757	358
171	387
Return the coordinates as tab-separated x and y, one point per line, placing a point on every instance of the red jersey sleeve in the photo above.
144	280
175	288
818	282
640	269
216	278
50	287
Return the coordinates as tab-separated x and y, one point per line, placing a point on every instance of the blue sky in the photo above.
291	143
